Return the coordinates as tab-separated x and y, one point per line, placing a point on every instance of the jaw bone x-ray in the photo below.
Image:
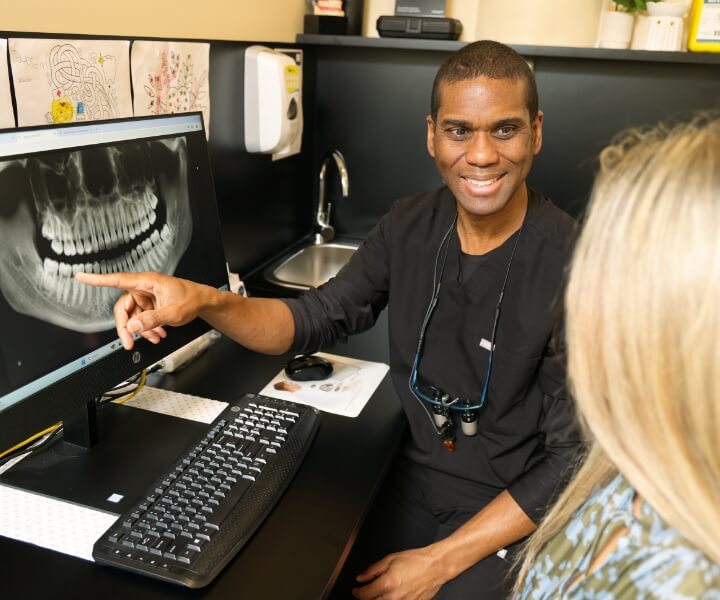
100	210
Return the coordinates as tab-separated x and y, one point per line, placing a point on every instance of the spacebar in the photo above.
229	502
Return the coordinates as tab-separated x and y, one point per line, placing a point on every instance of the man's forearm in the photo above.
499	524
261	324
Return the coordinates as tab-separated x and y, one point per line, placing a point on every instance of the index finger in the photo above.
125	281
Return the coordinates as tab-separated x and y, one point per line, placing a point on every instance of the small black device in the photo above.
202	511
325	25
308	367
420	8
433	28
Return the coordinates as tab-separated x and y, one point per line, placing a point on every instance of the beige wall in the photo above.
252	20
546	22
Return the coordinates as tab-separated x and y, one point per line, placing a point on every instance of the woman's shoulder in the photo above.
666	573
663	563
651	560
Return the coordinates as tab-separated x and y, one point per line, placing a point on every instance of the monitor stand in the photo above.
135	448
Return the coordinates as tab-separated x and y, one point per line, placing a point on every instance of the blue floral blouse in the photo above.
651	560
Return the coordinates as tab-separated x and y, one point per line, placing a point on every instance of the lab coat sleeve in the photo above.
349	302
538	487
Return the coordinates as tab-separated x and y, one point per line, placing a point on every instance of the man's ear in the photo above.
537	132
430	135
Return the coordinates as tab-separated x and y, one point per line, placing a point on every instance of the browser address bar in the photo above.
49	139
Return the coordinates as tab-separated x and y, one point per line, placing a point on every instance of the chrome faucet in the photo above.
324	231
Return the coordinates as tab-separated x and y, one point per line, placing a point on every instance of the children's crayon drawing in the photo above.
64	81
171	77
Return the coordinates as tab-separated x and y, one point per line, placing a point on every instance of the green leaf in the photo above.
633	6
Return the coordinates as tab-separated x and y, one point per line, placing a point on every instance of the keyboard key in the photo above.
187	556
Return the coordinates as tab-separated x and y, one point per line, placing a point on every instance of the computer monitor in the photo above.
122	195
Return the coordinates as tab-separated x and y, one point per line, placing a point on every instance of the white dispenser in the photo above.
272	100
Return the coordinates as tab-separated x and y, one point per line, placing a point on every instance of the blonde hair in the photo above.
643	331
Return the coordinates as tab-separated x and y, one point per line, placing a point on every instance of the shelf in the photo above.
354	41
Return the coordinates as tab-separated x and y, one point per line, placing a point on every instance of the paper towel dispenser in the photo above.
271	99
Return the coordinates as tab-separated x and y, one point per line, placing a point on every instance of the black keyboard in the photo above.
196	517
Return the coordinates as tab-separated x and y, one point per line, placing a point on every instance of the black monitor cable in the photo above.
45	438
36	442
124	392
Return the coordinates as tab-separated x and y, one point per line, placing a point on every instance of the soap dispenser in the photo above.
271	99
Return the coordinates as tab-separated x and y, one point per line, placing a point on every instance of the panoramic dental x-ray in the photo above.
102	209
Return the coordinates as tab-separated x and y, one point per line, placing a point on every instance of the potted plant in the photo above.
664	28
616	26
631	6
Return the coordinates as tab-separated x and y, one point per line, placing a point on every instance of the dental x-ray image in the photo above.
101	209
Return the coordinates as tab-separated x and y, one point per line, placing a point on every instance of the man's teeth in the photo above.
103	228
482	182
148	255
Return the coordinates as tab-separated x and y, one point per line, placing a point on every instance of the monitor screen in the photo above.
123	195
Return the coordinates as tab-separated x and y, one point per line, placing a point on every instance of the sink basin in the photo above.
310	266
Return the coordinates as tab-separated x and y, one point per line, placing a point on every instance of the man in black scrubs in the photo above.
472	276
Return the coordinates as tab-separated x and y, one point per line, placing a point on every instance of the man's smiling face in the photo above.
483	142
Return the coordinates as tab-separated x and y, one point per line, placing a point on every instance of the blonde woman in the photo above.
641	519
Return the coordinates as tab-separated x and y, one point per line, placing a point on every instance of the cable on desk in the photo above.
120	394
53	432
136	391
18	449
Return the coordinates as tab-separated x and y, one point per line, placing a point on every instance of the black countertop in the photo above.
299	550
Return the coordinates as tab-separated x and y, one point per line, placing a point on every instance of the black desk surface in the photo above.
299	550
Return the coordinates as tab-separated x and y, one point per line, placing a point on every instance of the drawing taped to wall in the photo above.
171	77
7	118
64	81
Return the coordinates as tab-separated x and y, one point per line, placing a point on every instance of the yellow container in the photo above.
704	35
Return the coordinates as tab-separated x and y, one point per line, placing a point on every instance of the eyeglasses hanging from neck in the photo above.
441	402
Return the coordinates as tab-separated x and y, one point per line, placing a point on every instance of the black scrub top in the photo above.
527	433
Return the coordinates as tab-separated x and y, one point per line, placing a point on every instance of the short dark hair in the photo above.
485	59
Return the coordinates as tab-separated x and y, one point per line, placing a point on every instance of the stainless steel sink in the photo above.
310	266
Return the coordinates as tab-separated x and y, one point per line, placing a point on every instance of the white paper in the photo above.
345	392
64	81
185	406
171	77
7	118
50	523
